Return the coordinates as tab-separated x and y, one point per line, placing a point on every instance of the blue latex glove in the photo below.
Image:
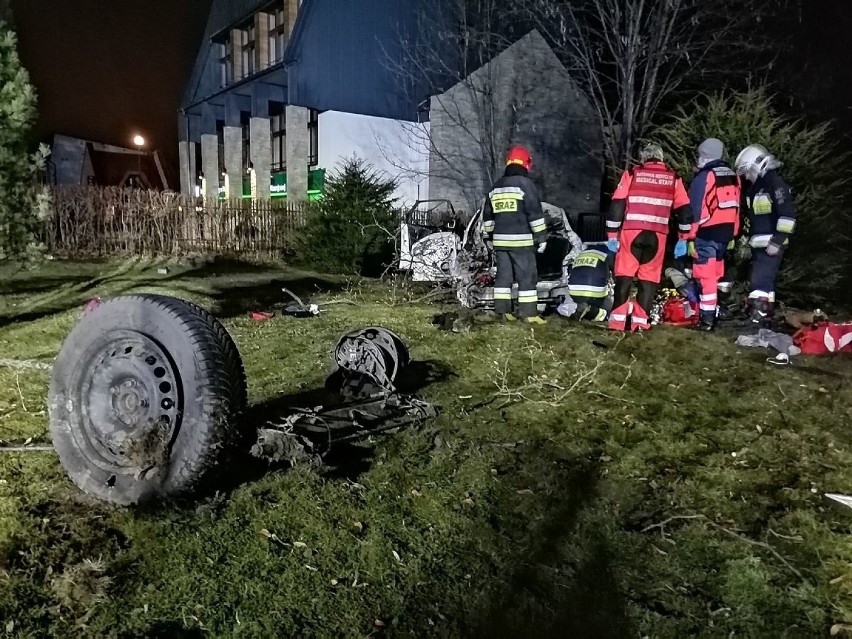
612	245
680	249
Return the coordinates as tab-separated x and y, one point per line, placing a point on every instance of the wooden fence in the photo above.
106	222
97	221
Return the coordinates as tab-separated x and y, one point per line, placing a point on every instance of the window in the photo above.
220	134
249	57
277	35
313	137
226	67
279	139
245	124
198	165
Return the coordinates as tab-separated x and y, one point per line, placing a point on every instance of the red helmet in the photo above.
519	155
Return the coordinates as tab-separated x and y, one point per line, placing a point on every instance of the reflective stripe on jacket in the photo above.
645	199
772	211
512	217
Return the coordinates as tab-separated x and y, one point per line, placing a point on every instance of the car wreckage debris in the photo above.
374	352
307	435
369	361
148	399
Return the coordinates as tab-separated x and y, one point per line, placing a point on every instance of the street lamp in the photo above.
139	141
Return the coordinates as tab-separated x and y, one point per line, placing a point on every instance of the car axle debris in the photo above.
369	361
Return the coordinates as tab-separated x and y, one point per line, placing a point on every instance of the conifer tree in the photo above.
20	197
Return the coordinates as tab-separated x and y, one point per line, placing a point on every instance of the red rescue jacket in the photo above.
720	200
645	199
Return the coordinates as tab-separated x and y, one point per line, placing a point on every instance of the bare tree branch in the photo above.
631	57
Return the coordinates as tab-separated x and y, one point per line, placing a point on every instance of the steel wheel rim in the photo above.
130	403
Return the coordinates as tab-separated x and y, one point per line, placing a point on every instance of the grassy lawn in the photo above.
575	485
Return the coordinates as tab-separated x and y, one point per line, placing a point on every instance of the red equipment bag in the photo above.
679	311
824	338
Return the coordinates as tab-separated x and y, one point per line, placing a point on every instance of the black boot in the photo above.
706	323
723	314
761	312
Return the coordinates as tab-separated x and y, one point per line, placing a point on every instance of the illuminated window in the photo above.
226	67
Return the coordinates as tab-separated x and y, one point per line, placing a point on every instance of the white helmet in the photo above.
753	161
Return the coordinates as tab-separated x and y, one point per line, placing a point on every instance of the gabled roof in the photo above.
359	56
223	15
112	169
228	13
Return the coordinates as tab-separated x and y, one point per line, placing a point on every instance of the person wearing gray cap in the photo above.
714	200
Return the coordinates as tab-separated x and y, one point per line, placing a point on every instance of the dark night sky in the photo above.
107	69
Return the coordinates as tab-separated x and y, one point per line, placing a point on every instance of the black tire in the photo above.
145	399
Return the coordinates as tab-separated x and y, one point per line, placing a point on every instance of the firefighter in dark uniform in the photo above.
771	221
587	284
513	222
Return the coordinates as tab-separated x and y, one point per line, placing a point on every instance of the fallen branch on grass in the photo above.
25	364
549	382
20	392
615	399
729	532
27	449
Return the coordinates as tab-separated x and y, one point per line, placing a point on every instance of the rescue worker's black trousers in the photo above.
516	266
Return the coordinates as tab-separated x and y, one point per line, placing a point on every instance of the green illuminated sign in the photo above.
278	186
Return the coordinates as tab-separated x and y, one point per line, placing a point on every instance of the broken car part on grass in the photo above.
369	361
148	396
297	308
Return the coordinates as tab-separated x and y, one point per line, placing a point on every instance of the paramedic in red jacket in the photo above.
637	226
715	201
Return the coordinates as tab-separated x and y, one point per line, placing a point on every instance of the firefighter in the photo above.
771	220
587	284
714	198
513	222
637	228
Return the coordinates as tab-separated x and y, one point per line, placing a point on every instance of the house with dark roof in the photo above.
77	162
270	75
284	90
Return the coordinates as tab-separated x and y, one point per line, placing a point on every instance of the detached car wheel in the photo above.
145	398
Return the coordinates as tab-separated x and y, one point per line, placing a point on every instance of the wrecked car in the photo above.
437	251
430	241
475	270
